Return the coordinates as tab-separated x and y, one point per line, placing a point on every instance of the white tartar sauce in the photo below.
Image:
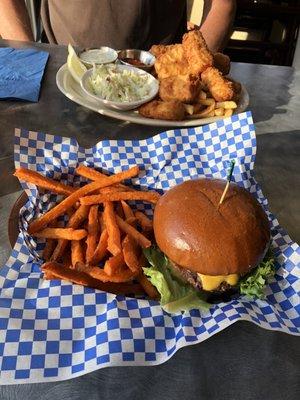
103	55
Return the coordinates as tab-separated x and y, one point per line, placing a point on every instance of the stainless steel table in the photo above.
242	362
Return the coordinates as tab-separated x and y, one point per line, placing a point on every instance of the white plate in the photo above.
71	89
152	84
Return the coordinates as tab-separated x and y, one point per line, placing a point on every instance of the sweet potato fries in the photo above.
101	244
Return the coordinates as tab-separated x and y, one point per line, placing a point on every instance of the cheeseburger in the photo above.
209	245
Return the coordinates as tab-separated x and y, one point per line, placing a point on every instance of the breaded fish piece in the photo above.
159	49
237	88
222	63
172	62
196	52
220	88
170	110
184	88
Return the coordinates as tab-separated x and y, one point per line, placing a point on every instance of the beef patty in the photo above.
192	278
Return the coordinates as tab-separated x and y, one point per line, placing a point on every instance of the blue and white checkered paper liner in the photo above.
52	330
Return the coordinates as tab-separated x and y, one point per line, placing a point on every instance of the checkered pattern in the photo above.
52	330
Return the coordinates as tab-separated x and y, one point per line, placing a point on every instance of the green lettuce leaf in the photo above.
253	284
175	295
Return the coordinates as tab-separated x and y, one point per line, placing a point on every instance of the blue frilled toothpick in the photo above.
229	175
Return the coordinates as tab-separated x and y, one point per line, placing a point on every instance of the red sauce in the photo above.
134	61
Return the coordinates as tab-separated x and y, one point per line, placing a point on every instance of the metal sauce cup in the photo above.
144	57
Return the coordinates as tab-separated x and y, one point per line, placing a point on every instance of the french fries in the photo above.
207	111
135	234
101	221
144	221
93	229
131	253
124	276
219	112
212	108
93	175
189	108
90	173
207	102
43	182
152	197
61	233
74	222
128	213
228	113
101	248
62	207
114	235
202	95
210	114
101	243
55	270
227	105
115	264
131	221
77	255
148	287
48	249
113	189
50	245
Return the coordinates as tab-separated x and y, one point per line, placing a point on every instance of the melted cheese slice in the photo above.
210	282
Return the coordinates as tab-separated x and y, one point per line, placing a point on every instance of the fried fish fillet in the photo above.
184	88
159	49
172	62
222	63
237	88
220	88
196	52
170	110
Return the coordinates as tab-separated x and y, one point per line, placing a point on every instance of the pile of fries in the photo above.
207	107
102	242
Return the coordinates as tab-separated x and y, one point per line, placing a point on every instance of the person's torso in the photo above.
116	23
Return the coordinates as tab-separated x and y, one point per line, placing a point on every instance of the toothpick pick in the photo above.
229	175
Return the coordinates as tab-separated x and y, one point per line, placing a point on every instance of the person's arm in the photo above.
217	20
14	20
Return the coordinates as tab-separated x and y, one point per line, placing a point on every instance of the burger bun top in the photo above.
197	234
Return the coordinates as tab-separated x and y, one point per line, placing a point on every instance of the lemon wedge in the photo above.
75	66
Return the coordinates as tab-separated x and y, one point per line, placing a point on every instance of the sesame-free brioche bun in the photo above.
196	234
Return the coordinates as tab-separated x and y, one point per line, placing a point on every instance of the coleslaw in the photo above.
119	85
